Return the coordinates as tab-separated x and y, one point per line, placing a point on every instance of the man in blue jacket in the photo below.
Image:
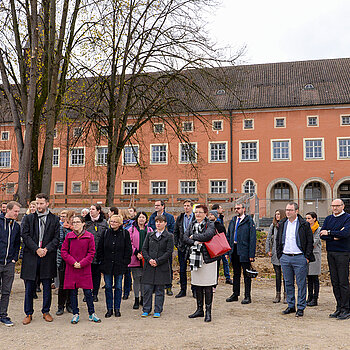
10	239
336	232
159	207
241	235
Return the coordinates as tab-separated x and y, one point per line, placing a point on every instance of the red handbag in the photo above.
218	245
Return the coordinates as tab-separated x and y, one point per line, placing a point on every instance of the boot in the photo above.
141	301
207	317
136	304
199	296
310	288
277	298
313	302
285	298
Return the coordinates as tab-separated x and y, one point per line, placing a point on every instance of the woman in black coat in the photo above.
203	267
114	254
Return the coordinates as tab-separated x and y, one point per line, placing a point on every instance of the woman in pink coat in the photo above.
138	232
78	250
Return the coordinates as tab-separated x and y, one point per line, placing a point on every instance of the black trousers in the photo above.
338	263
278	272
313	286
96	278
237	266
63	294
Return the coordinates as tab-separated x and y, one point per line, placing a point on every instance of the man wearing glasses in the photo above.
294	245
241	235
336	232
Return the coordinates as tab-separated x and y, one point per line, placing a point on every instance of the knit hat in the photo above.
214	212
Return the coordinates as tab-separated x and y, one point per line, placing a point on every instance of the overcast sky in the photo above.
282	31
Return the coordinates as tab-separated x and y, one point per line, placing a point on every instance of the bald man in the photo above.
336	232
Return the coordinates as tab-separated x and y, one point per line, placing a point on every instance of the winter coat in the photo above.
63	233
246	238
170	221
10	240
206	235
81	250
114	251
304	238
135	244
179	232
270	244
160	249
97	228
30	235
315	267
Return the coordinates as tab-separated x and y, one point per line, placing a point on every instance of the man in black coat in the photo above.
156	250
241	235
294	246
40	233
182	222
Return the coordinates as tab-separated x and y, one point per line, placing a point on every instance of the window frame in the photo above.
322	148
76	129
240	151
151	187
10	152
216	121
131	181
137	156
151	153
5	132
13	184
254	183
70	157
289	150
96	155
98	186
210	187
338	147
74	183
209	152
341	119
158	132
187	122
190	180
317	120
244	120
58	156
280	118
55	187
180	153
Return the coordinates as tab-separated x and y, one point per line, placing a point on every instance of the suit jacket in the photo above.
30	235
179	232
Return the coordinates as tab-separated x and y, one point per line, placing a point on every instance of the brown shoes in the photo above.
47	317
27	319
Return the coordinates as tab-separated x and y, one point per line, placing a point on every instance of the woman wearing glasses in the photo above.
78	250
203	267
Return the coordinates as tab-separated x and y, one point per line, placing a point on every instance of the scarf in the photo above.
196	257
315	226
42	223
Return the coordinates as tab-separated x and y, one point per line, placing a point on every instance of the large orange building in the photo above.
285	136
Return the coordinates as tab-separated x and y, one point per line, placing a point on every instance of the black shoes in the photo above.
109	313
198	313
125	297
246	300
169	292
194	293
95	299
229	281
60	311
181	294
335	314
69	309
117	313
233	297
136	304
288	310
343	315
312	302
299	313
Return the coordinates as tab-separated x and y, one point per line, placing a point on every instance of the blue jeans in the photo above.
117	291
295	266
127	282
226	267
28	298
88	297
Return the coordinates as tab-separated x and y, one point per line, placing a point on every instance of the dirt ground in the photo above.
259	325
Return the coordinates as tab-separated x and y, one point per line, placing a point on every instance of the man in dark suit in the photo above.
40	233
241	235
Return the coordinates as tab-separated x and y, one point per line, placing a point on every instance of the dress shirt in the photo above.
290	244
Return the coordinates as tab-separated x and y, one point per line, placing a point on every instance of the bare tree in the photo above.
150	61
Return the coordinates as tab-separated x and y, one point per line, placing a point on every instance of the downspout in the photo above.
231	155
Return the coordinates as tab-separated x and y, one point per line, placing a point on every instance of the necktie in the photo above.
237	223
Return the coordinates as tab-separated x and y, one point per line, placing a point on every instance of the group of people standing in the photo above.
82	247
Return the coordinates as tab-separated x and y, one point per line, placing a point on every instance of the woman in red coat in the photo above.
78	250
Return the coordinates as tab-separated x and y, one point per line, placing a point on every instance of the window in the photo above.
54	133
76	187
77	157
280	122
130	187
77	132
217	186
312	120
10	188
59	187
129	127
188	187
282	191
187	126
5	159
313	149
280	150
249	187
159	154
217	125
217	152
5	135
158	128
131	154
93	186
188	153
248	124
249	151
101	155
313	191
345	120
344	148
56	157
104	130
158	187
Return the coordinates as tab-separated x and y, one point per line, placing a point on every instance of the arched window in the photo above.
282	191
249	187
313	191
